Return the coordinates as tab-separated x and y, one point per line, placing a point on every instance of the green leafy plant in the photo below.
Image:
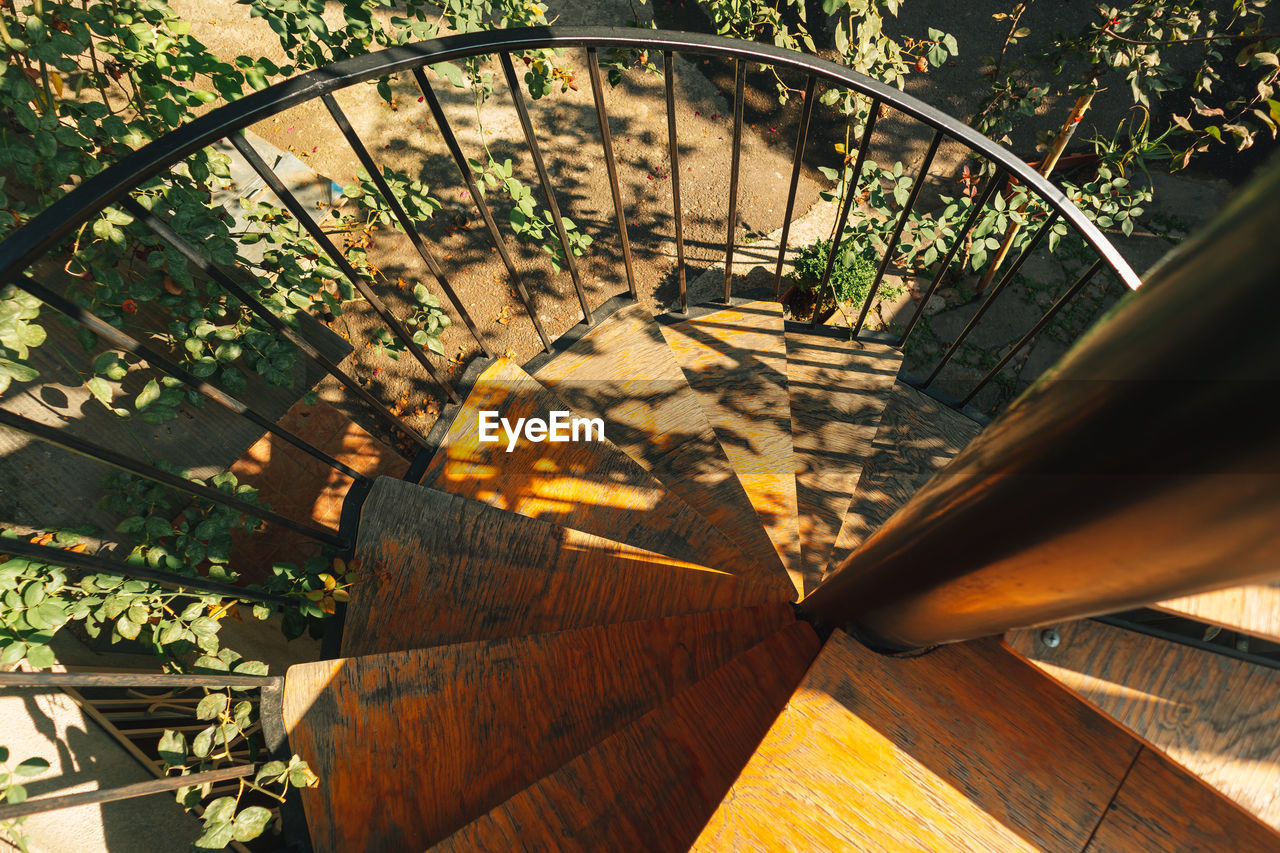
13	792
233	727
851	275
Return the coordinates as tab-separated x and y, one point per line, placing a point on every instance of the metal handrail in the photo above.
30	243
46	229
113	185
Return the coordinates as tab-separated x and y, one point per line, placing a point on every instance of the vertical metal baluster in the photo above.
517	96
123	341
67	441
892	245
326	245
995	291
673	148
606	139
164	232
402	216
1040	324
863	145
797	162
975	214
739	83
473	189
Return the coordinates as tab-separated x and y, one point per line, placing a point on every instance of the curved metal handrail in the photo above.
113	185
47	228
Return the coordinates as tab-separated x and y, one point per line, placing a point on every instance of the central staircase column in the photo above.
1145	465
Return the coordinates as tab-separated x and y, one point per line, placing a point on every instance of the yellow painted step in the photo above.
736	362
916	437
838	391
623	371
590	486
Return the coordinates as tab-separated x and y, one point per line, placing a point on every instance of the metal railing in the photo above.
44	233
43	236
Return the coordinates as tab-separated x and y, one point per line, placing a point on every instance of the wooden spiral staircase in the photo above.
679	636
592	645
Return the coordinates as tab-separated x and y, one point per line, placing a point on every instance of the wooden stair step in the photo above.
653	784
1214	715
623	372
445	569
412	745
964	748
917	436
1162	807
735	359
1252	609
838	390
590	486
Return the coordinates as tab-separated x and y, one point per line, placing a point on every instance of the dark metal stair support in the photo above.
1145	466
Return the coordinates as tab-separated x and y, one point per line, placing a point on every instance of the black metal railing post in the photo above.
477	197
975	214
67	441
797	163
615	189
1026	253
544	178
154	358
1144	466
735	160
891	245
851	192
260	310
673	151
327	246
402	216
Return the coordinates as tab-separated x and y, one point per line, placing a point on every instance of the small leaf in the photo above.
31	767
203	743
300	775
220	810
250	823
127	628
173	748
211	706
149	394
41	657
216	836
270	770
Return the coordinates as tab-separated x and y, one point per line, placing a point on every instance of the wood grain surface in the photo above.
624	372
838	391
1162	807
413	745
440	569
590	486
652	785
1252	609
964	748
736	362
1216	716
916	437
